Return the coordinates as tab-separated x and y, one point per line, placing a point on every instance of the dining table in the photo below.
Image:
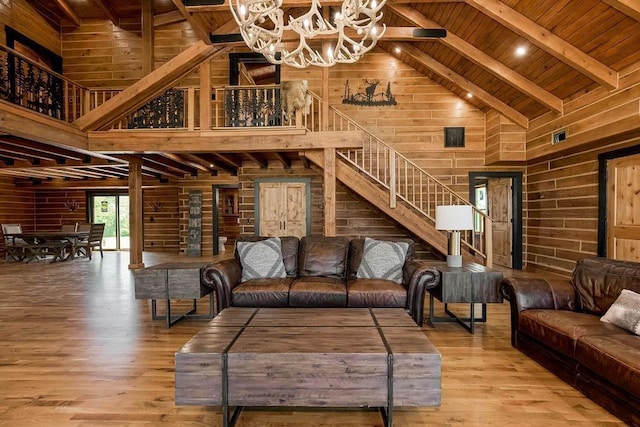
34	245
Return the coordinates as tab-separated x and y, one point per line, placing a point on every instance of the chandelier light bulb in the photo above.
374	31
374	4
243	10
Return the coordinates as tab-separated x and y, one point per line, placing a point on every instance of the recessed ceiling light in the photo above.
210	165
521	51
469	95
398	50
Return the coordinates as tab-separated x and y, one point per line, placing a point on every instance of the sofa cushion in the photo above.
599	281
289	246
382	260
262	293
262	259
613	357
625	312
356	251
318	292
375	293
323	257
559	329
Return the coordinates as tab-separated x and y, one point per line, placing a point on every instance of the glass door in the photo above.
113	211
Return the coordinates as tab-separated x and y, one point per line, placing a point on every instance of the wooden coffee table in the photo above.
330	357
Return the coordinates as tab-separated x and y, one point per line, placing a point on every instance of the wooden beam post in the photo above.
324	115
147	37
488	241
205	95
329	192
136	224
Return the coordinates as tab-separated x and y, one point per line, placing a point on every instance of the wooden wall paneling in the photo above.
22	17
51	212
17	205
161	223
505	141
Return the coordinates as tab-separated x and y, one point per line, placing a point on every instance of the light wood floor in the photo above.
78	350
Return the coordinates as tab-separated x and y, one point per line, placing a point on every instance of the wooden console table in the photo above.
473	284
173	280
309	357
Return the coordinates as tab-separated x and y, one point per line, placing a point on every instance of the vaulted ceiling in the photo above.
571	47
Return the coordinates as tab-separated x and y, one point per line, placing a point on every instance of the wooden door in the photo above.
283	209
623	208
270	208
499	197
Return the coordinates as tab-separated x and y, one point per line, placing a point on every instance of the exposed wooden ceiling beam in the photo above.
302	3
199	27
171	164
224	165
106	8
148	87
547	41
286	162
448	74
220	141
628	7
26	153
480	58
261	161
59	153
168	18
69	12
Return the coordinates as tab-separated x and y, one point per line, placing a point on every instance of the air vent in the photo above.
558	136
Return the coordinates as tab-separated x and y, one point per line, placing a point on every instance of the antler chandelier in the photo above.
351	32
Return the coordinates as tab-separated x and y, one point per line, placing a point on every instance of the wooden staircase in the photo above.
398	187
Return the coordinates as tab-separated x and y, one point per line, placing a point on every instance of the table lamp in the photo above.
454	218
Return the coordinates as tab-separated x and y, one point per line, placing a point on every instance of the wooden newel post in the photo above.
136	224
488	240
392	179
329	192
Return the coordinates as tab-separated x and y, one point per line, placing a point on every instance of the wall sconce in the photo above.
72	205
156	206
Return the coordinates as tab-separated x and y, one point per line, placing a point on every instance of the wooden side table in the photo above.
472	283
173	280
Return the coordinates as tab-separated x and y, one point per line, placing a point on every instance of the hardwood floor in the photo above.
78	350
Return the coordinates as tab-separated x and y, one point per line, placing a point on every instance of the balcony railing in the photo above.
26	83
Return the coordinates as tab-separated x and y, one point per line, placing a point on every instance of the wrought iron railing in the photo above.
170	110
248	106
26	83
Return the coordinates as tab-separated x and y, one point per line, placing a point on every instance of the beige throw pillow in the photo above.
262	259
382	260
625	312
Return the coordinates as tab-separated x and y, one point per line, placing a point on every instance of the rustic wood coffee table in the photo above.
332	357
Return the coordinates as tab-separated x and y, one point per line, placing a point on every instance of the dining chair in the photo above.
69	227
83	227
94	240
14	247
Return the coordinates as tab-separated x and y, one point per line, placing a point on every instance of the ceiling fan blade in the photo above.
430	32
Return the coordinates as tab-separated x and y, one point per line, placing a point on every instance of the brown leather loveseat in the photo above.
321	272
557	323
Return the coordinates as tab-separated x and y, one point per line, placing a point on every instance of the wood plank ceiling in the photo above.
572	47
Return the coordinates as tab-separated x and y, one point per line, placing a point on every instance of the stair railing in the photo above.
406	181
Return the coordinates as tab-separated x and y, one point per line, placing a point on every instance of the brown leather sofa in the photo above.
321	272
557	323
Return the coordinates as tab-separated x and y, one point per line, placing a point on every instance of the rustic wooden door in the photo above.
283	209
623	208
499	197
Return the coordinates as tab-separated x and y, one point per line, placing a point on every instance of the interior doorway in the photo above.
112	209
226	217
502	201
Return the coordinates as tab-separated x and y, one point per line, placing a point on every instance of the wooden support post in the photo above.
136	223
205	95
329	192
392	179
147	37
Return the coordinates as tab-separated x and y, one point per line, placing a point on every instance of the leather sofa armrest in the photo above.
222	276
536	293
418	277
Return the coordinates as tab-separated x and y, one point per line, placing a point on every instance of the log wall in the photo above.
161	219
22	17
17	206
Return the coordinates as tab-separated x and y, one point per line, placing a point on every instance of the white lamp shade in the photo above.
454	217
